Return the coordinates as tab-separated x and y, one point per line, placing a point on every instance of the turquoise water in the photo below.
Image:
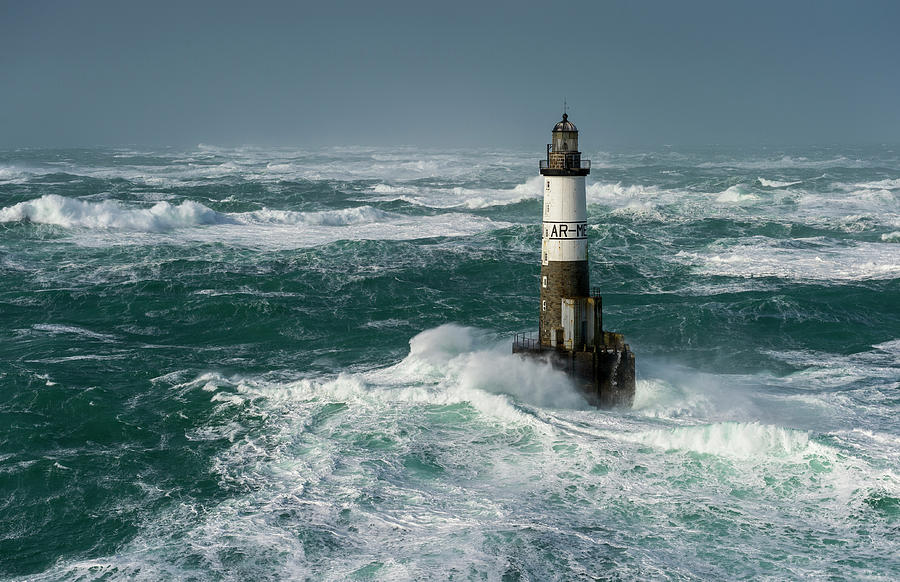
270	364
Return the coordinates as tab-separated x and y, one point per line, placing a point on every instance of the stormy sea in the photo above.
268	364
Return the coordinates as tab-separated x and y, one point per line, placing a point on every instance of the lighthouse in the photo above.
570	324
564	262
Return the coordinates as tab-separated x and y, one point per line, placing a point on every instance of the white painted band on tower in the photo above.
564	236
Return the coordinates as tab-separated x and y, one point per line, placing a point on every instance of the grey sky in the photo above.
447	73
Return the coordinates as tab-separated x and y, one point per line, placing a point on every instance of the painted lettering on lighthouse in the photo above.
565	230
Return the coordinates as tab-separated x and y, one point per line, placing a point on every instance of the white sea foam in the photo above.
825	371
278	168
877	201
472	362
403	473
849	211
110	214
56	328
12	175
324	228
787	161
891	236
816	260
619	195
226	165
463	460
459	197
776	183
445	365
343	217
640	211
389	189
731	439
892	346
737	193
533	188
856	210
265	228
886	184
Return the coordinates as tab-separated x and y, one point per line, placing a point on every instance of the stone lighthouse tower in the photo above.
570	326
564	261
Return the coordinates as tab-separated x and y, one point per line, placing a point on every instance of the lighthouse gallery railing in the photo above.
568	165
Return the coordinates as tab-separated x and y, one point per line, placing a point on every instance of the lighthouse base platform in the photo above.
603	373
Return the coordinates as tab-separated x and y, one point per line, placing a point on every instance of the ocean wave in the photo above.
110	214
206	164
447	365
776	183
737	193
460	197
891	236
416	458
886	184
817	260
532	188
55	328
96	224
279	168
616	193
827	371
835	209
470	363
12	175
302	230
787	161
343	217
730	439
388	189
641	211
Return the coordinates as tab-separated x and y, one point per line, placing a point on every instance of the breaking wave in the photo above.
618	194
787	162
470	364
815	260
343	217
460	197
191	222
730	439
886	184
736	193
776	183
11	174
110	214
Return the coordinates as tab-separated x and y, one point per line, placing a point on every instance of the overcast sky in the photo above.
448	73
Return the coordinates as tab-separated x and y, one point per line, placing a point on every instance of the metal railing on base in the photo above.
528	341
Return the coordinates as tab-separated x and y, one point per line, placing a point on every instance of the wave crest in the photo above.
775	183
606	193
342	217
163	216
730	439
737	193
71	212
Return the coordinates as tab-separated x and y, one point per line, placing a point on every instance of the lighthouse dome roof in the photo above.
565	124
